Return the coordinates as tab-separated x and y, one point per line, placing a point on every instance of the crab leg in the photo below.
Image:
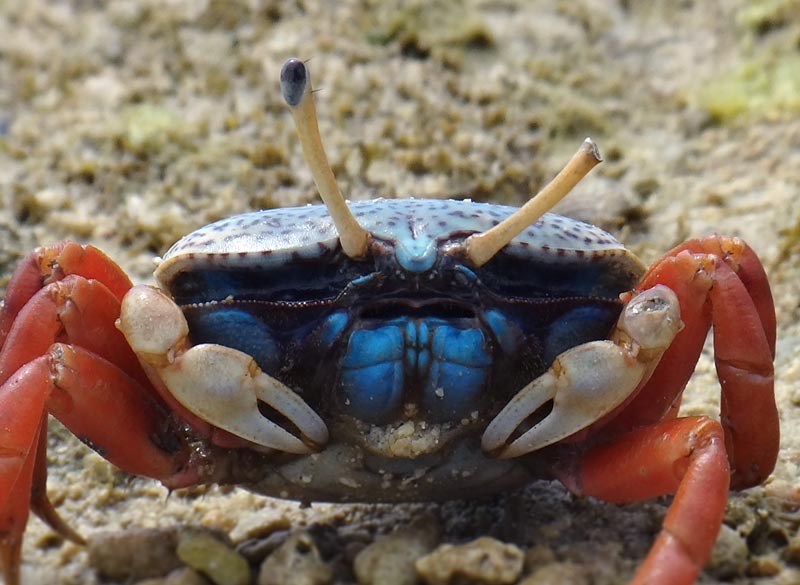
47	302
683	456
50	263
74	385
749	269
82	312
75	309
719	281
20	428
40	503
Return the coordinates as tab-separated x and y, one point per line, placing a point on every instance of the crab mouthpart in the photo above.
424	360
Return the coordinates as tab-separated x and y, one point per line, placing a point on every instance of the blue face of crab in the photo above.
411	331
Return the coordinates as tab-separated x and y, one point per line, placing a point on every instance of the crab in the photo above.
396	350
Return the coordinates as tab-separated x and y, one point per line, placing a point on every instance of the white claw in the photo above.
219	384
590	380
223	386
153	325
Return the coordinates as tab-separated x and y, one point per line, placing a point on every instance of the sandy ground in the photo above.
128	125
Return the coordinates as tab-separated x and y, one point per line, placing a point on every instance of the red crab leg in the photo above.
96	401
683	456
745	263
17	462
83	312
12	526
50	263
81	385
40	503
74	309
719	280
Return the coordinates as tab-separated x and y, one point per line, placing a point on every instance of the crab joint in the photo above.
296	89
480	248
589	381
220	385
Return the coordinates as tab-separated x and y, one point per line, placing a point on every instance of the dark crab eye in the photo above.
294	79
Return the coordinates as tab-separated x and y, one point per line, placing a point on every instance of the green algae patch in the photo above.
148	127
762	17
763	87
442	30
766	82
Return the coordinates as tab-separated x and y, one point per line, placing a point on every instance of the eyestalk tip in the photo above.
591	148
294	81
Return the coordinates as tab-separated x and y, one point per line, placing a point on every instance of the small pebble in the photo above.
255	550
791	554
765	566
483	561
390	559
258	525
538	556
558	574
213	558
183	576
133	555
296	561
729	555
